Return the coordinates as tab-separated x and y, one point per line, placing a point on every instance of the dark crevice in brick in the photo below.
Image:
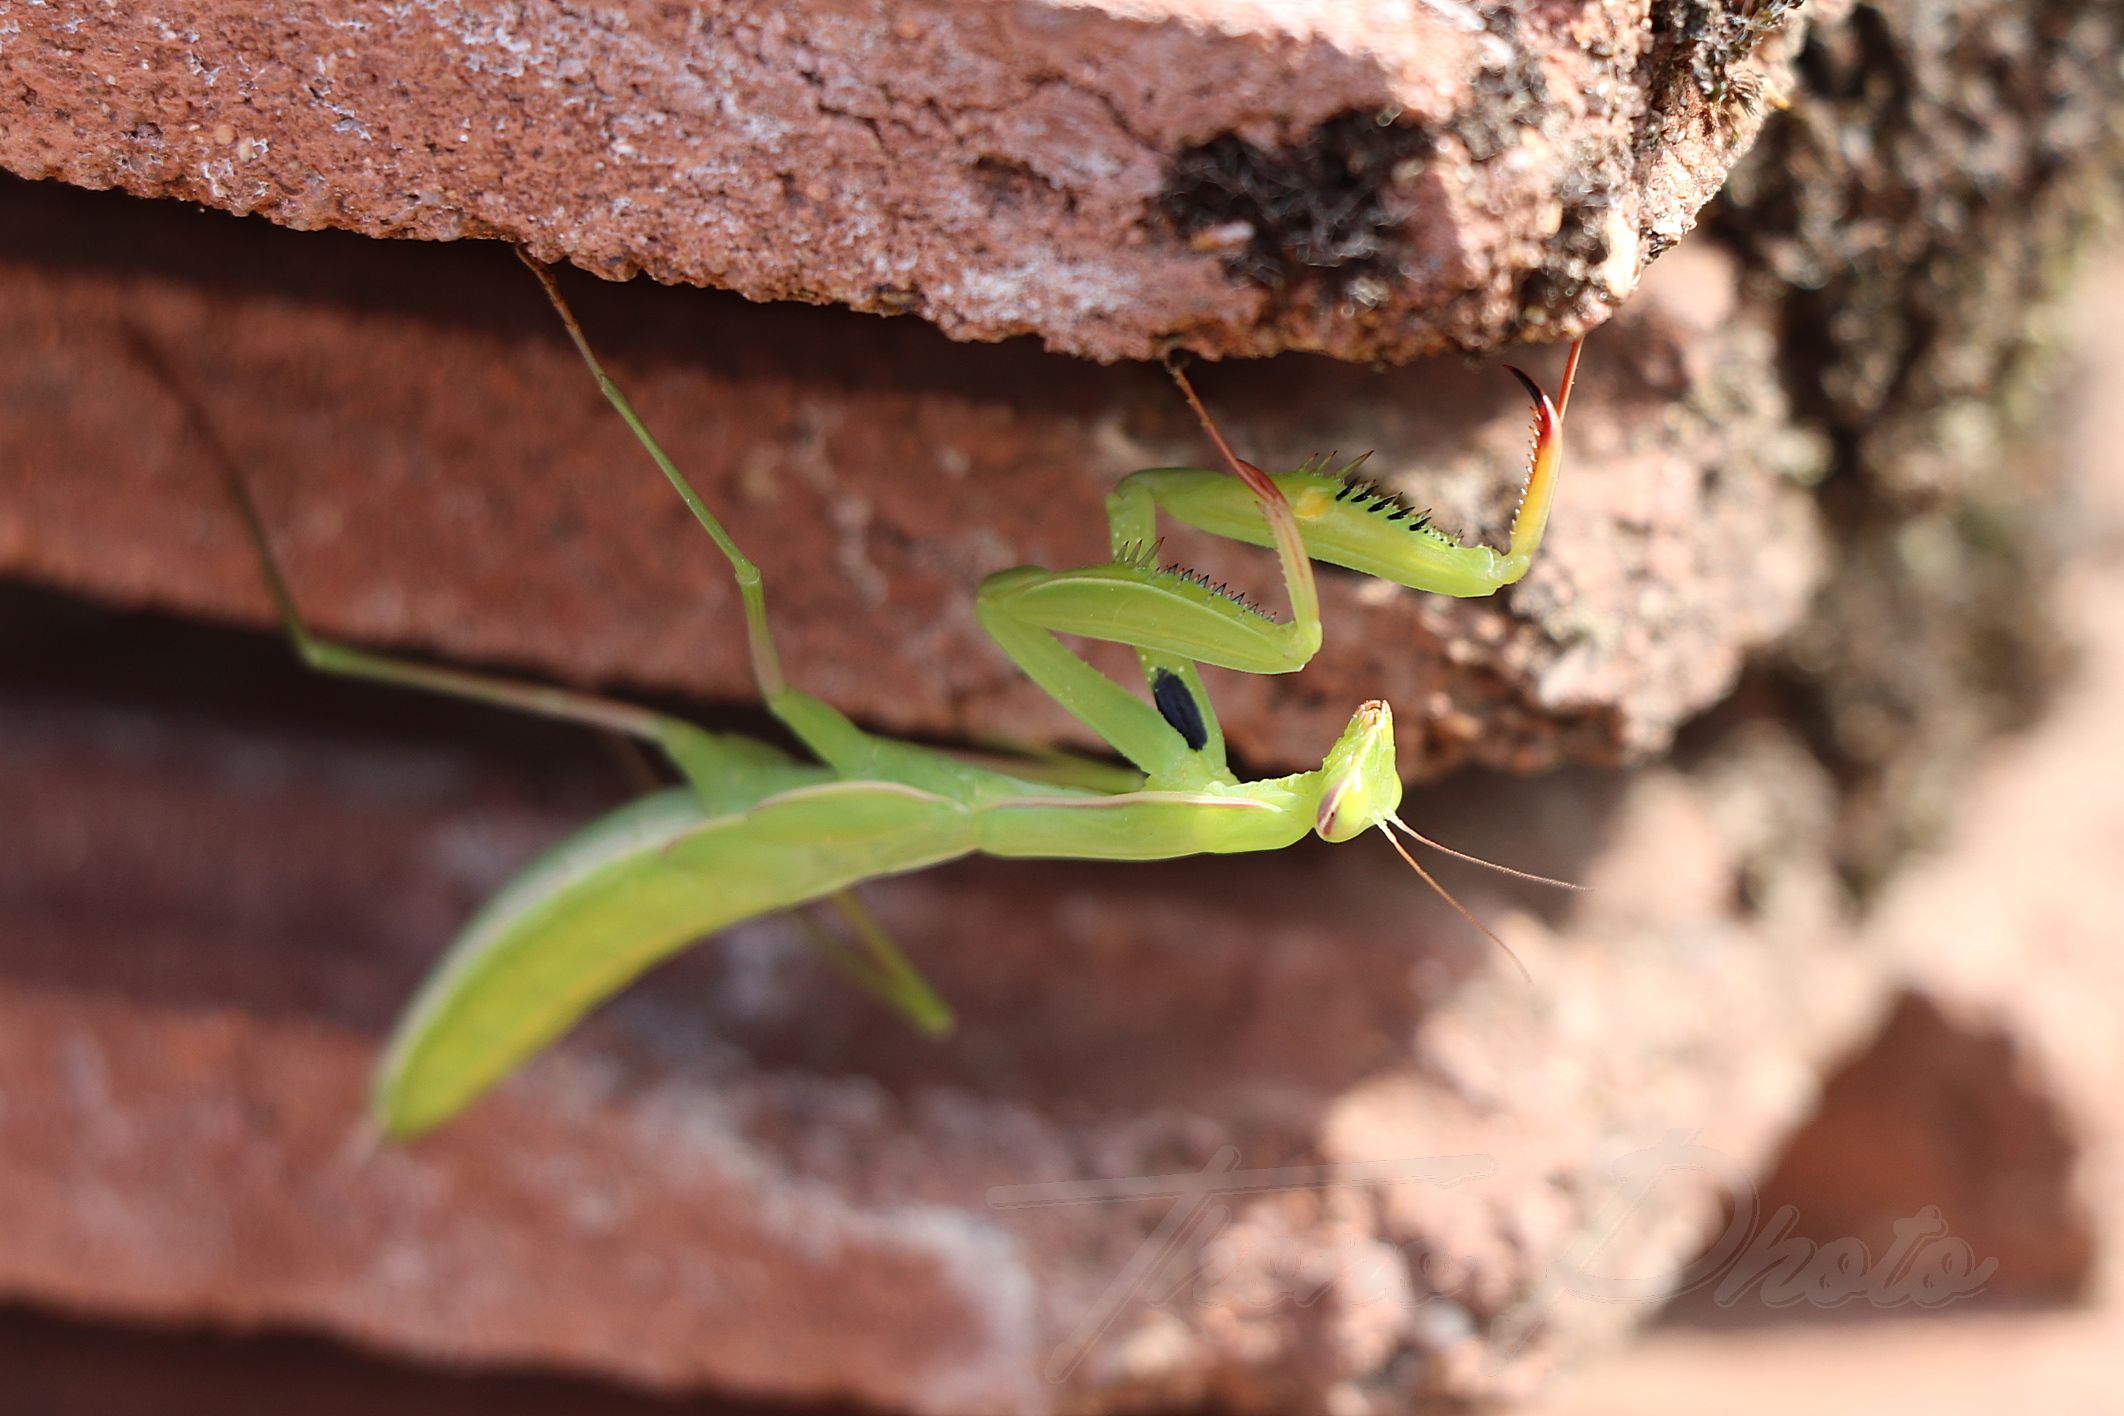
1305	217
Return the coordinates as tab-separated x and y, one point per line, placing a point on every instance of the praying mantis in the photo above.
753	829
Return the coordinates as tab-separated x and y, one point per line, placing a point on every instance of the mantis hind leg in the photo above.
766	662
722	770
712	763
827	732
875	964
690	749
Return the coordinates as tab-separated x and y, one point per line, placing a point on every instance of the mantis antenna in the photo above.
1444	894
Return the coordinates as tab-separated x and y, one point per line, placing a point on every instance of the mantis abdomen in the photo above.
622	895
638	885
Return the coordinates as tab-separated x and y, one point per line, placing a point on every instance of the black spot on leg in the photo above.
1178	707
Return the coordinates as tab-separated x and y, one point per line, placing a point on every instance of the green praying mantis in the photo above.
754	830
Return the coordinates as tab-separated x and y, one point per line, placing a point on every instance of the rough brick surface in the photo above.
439	471
1993	1093
219	879
2010	931
1369	179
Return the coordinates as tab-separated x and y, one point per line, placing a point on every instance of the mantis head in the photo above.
1361	791
1361	786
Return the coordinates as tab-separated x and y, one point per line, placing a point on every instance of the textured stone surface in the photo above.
1950	1110
438	471
1369	179
2010	931
1917	211
1915	217
1991	1094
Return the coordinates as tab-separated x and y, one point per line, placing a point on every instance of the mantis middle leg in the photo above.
1175	620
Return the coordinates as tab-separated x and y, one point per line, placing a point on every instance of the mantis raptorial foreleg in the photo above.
1346	521
1172	619
1176	620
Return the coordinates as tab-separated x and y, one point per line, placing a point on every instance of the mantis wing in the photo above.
625	893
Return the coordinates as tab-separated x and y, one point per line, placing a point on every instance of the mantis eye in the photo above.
1328	818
